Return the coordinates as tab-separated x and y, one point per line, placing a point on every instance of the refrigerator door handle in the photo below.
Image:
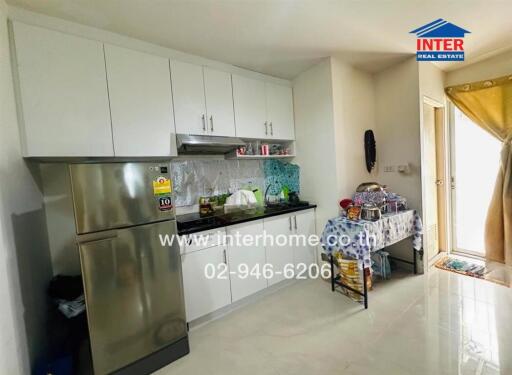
96	237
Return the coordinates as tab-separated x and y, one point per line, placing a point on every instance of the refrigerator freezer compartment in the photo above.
116	195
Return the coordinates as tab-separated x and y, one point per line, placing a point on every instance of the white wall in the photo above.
22	237
334	105
314	133
354	113
431	80
398	135
400	91
493	67
398	129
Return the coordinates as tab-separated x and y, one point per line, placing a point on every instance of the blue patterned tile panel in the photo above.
279	174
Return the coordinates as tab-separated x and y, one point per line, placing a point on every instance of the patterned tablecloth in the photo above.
358	239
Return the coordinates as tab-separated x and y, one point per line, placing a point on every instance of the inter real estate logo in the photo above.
440	41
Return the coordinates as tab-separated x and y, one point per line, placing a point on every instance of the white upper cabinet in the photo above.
80	98
250	108
189	100
139	88
262	110
64	100
280	111
219	103
203	100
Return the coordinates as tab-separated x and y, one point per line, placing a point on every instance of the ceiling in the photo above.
285	37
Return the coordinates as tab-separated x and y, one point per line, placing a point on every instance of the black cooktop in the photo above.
194	222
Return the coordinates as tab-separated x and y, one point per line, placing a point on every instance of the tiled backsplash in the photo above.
279	174
205	177
195	178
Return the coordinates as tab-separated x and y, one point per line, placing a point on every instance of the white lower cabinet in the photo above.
239	268
304	224
297	255
204	295
243	257
279	254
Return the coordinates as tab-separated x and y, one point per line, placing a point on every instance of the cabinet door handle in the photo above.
204	122
225	257
266	128
295	221
290	220
211	123
271	129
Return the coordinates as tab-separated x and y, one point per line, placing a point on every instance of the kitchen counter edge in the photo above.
249	218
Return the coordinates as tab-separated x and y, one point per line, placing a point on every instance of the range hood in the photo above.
206	144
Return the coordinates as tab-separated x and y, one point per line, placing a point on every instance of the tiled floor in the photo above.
442	323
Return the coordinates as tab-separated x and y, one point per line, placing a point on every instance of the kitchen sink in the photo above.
273	207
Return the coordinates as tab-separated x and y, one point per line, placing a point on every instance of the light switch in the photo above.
405	168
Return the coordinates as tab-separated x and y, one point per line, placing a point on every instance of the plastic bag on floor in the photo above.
380	264
72	308
68	294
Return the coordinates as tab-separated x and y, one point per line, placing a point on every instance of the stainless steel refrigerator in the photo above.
133	284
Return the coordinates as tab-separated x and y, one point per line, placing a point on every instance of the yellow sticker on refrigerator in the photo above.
162	185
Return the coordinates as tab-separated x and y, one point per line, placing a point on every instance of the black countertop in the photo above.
194	222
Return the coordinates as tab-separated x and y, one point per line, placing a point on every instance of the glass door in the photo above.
474	162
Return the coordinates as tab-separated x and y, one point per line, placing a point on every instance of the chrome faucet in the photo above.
266	192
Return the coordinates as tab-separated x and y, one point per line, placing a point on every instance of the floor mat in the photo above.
490	271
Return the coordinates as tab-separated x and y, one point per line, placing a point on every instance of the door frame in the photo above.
446	176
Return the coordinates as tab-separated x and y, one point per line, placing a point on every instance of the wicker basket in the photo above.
350	275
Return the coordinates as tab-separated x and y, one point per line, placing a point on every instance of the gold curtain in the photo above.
489	104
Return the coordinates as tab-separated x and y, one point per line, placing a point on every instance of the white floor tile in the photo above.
442	323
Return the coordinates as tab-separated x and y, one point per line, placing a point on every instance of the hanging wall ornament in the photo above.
370	151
